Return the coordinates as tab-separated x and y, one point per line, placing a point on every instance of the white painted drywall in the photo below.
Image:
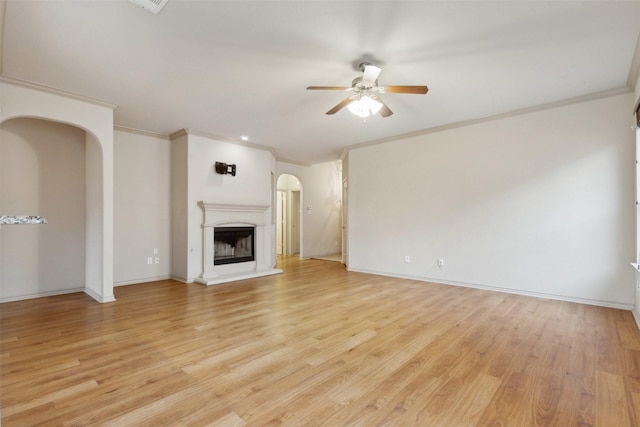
321	191
142	211
179	206
193	159
540	203
22	99
636	308
42	169
636	260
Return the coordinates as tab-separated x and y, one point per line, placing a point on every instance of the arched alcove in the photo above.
22	100
42	171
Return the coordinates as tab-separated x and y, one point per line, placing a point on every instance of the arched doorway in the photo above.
288	215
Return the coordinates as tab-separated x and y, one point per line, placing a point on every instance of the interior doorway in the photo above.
345	225
288	215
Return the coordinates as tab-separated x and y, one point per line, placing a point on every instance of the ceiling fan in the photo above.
365	100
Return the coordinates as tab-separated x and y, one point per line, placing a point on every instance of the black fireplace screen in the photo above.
233	244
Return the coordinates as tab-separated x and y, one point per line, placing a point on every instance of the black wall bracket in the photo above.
225	169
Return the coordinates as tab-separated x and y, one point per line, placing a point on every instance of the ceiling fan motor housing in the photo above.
358	85
363	65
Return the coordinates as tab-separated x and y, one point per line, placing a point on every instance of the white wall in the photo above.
636	309
540	203
22	99
142	183
42	172
250	186
636	260
179	206
321	190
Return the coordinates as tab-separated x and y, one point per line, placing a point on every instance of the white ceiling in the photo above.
232	68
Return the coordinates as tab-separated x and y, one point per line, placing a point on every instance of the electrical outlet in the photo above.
157	260
407	259
440	262
149	260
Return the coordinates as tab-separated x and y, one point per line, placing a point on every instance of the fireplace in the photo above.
233	244
227	259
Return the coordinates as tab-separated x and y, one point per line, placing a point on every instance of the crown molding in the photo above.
141	132
55	91
183	132
293	162
178	134
542	107
634	70
344	154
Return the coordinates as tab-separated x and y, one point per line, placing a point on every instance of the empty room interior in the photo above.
248	213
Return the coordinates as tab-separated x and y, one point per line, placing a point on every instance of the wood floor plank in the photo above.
469	403
573	409
612	402
512	403
316	345
628	334
632	388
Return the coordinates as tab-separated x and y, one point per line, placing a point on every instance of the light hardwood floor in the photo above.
317	346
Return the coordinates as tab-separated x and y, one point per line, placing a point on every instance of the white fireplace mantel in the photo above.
216	214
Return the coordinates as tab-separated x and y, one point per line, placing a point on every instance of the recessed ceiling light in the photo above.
244	138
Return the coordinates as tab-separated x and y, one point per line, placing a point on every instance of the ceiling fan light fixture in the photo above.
365	106
365	102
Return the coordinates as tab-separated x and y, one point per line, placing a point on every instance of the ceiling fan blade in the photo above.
340	106
328	88
385	111
371	73
419	90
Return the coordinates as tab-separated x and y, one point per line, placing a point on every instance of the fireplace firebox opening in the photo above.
233	244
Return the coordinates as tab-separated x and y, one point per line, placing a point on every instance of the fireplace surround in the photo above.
235	216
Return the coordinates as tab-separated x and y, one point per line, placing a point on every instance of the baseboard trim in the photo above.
97	297
143	280
41	295
182	279
599	303
330	257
